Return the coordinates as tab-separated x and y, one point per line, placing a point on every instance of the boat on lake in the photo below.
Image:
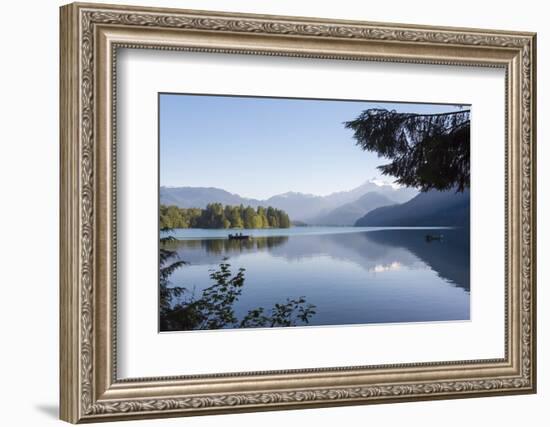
430	237
238	236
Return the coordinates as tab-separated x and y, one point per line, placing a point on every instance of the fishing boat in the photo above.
238	236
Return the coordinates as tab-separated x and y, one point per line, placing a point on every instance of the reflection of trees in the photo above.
219	246
181	310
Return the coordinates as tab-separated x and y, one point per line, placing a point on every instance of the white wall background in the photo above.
29	170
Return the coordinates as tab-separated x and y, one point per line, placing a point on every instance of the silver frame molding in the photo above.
90	37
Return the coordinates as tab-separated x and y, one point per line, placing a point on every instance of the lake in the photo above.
353	275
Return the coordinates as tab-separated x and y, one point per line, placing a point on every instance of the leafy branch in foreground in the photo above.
427	151
292	312
181	310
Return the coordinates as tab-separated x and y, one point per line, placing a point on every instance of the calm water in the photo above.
352	275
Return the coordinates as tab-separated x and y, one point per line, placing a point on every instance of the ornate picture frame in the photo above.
90	37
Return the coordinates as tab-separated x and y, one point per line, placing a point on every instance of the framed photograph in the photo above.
266	212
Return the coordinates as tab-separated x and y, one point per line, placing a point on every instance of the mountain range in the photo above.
430	208
339	208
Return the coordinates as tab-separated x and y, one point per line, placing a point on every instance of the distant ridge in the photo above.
432	208
299	206
199	197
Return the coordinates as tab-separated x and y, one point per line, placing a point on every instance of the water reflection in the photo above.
449	258
391	275
376	251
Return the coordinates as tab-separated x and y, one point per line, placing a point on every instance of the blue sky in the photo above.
259	147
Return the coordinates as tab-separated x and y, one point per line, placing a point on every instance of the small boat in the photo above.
238	236
430	237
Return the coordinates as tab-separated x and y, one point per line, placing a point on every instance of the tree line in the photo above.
216	215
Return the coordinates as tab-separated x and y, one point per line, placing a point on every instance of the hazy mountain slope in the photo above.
299	206
348	213
432	208
398	195
199	197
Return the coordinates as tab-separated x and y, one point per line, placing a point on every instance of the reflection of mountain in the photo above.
375	251
450	257
432	208
350	212
352	247
298	205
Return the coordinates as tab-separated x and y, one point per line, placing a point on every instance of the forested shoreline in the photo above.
216	215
